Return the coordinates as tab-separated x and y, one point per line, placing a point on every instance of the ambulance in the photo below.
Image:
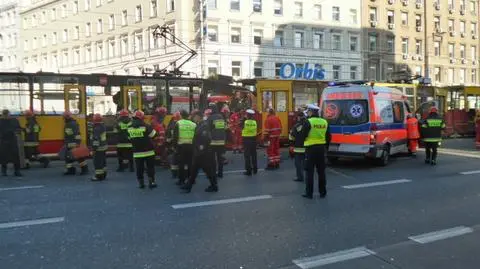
365	121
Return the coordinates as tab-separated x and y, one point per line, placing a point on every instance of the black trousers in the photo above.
149	162
250	153
125	156
219	156
185	158
315	158
206	162
31	152
9	154
100	163
431	150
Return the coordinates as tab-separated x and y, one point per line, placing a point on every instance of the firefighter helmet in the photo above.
433	109
207	112
67	114
161	110
176	116
124	113
28	113
139	115
97	118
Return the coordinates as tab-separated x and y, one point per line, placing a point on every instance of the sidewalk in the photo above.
463	144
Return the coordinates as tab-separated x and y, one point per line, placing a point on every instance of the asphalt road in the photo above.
406	215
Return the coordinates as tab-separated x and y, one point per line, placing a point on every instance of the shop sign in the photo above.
307	71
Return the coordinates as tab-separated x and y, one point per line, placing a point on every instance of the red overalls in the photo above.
234	123
159	141
273	129
412	134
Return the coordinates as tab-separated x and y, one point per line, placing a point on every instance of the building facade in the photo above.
432	38
9	35
244	39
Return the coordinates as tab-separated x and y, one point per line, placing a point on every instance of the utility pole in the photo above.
202	37
425	49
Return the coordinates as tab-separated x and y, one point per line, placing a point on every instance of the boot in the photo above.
27	165
132	168
84	170
433	162
151	183
270	167
179	183
187	188
45	162
212	188
96	178
427	161
70	171
220	175
18	174
141	183
120	168
255	170
247	173
277	166
174	173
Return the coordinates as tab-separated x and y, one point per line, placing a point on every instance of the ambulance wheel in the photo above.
385	158
332	160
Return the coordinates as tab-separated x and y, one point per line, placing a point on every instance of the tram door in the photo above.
75	102
278	100
132	97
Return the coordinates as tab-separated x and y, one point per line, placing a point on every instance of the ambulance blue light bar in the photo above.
346	83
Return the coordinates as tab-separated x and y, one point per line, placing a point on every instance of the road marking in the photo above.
457	153
21	188
335	257
374	184
440	235
233	172
221	202
340	173
470	172
30	222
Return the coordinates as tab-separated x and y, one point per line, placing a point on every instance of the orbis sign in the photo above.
291	71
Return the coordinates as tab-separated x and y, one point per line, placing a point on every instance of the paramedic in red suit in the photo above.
273	129
234	122
157	125
413	134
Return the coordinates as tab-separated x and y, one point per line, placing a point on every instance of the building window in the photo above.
372	42
25	45
451	25
474	28
418	70
257	6
44	41
76	56
336	72
436	23
258	69
76	33
88	29
418	47
278	66
462	51
53	14
451	50
473	78
212	4
88	4
317	12
75	7
390	17
235	36
65	35
353	43
299	39
138	13
111	22
335	13
450	75
436	46
112	49
88	53
353	72
473	8
390	44
451	4
336	42
54	38
278	40
236	68
124	44
65	58
212	68
353	16
43	17
170	5
99	26
257	37
212	33
235	5
473	53
64	11
462	27
437	74
298	9
461	76
138	42
405	46
99	50
318	41
124	18
278	7
418	20
373	14
404	17
153	8
99	3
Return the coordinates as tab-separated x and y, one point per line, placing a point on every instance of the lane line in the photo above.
234	172
335	257
339	173
221	202
440	235
30	222
21	188
374	184
470	172
456	153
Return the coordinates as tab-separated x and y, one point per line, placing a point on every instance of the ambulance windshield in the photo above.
345	112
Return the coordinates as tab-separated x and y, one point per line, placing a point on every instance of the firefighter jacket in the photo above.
296	137
217	127
121	131
32	133
431	128
170	130
202	138
160	129
71	131
315	131
184	132
8	130
412	129
141	135
99	137
273	126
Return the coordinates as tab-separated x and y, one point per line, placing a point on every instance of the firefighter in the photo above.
141	135
9	128
235	127
273	129
217	128
159	127
296	141
203	154
413	134
316	140
124	146
72	140
32	134
182	141
99	146
171	149
249	136
431	133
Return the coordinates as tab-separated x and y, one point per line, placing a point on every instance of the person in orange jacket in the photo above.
413	134
235	126
159	127
273	129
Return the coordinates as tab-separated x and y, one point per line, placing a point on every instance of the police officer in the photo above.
9	127
249	136
141	135
203	155
99	146
171	148
32	132
183	140
296	140
317	138
431	133
72	140
124	146
218	125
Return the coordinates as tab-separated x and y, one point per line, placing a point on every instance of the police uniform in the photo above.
183	139
72	140
249	137
100	146
317	138
32	134
141	135
124	146
431	133
296	139
9	127
217	127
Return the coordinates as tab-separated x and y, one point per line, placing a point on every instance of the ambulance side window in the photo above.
384	111
398	112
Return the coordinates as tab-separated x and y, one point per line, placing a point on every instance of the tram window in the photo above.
303	96
132	97
49	99
179	99
153	96
14	97
281	101
74	102
267	100
196	98
99	102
